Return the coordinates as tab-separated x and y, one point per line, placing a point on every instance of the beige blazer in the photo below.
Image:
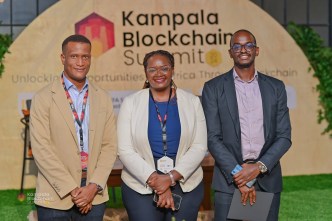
55	145
134	149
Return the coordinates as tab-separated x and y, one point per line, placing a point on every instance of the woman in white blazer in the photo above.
162	140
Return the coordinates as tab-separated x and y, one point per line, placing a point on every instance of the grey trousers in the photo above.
222	203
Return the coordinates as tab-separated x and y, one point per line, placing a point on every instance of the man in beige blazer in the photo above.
73	138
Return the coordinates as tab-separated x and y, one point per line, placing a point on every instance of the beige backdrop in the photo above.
197	31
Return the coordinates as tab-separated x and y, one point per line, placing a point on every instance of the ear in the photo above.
257	51
63	58
230	53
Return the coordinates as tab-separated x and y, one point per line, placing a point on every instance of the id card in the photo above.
165	164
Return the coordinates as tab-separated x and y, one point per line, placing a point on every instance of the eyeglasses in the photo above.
248	47
163	69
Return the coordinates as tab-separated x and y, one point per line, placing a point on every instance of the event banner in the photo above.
196	32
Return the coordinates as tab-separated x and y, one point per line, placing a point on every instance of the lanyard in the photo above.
162	122
78	121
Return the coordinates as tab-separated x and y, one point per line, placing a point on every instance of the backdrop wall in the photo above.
196	31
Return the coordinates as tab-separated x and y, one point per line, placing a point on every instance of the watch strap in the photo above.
99	188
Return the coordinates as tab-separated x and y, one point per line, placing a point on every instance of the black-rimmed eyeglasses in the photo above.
247	46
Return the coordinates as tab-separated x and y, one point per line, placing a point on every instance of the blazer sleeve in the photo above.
282	139
108	151
128	155
49	165
224	159
192	159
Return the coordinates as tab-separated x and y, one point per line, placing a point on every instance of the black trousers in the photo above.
141	207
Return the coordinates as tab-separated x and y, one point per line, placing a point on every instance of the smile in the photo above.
159	80
244	56
80	69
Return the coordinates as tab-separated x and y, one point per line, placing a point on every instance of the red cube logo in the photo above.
99	31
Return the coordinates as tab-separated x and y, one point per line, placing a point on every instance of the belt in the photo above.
249	161
84	174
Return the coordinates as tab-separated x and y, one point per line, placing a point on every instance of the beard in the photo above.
243	66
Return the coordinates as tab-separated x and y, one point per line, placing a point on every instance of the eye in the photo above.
165	69
151	70
249	46
236	47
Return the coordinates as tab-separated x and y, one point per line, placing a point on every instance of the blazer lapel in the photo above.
183	121
232	101
264	88
141	119
93	115
61	101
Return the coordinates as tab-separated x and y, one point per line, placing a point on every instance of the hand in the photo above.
85	195
246	193
248	173
74	192
159	182
86	209
166	200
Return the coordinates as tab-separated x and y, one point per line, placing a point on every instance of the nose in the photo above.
159	72
80	62
243	49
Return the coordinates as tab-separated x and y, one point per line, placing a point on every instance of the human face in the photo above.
76	60
245	58
159	73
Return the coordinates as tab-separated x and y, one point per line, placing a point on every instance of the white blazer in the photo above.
134	149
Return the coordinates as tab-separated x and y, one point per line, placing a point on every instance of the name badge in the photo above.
165	164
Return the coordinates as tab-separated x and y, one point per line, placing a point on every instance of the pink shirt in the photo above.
250	107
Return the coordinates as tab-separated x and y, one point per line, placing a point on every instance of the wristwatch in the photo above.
262	167
99	188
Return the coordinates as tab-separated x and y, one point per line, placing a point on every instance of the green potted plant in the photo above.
320	58
5	42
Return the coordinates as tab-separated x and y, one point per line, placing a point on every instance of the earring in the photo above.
147	81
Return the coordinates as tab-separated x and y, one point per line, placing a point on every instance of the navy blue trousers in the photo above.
141	207
72	214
